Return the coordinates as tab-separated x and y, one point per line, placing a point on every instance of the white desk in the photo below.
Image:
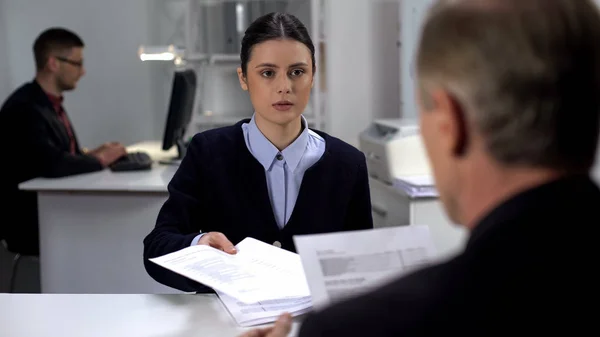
92	227
116	315
396	208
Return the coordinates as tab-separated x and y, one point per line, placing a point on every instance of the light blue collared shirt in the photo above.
285	169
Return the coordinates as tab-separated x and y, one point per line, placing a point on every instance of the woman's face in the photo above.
279	79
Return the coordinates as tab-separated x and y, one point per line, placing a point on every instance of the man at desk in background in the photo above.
509	112
39	139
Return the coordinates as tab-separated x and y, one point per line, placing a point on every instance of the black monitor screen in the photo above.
181	107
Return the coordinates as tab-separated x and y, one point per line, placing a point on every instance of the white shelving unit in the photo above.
213	32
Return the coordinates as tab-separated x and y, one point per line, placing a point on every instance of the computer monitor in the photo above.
181	106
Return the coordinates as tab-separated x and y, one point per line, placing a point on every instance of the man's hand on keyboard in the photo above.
108	153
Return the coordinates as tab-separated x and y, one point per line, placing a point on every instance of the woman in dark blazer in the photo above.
269	177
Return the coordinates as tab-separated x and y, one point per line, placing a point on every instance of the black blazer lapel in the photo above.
58	129
47	111
253	183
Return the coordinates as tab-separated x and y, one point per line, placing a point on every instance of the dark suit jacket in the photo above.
36	145
528	267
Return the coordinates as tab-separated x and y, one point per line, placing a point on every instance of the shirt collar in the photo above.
265	152
55	100
294	152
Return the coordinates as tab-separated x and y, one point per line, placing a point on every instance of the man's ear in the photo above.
52	64
451	121
460	125
242	79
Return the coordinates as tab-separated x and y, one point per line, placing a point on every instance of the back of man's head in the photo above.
525	72
54	40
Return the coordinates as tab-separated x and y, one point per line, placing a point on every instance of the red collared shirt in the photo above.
62	115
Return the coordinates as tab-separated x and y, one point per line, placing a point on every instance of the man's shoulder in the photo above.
24	95
400	307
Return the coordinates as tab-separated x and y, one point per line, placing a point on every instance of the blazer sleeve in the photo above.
53	161
359	214
179	219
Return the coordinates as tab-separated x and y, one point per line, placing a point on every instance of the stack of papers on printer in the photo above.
417	186
256	285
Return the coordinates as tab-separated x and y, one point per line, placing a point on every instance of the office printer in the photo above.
393	148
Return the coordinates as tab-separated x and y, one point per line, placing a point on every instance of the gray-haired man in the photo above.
510	101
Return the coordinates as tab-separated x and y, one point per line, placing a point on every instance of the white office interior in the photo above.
364	50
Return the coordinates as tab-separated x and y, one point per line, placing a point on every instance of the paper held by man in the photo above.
340	265
262	281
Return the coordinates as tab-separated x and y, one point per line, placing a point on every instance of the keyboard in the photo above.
133	161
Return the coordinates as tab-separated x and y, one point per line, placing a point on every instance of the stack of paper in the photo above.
417	186
256	285
249	314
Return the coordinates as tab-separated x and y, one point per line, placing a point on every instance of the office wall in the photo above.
363	79
4	78
165	27
114	100
385	62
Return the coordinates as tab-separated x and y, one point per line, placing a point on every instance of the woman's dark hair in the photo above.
275	26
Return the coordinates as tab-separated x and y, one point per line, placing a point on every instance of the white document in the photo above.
343	264
263	312
258	272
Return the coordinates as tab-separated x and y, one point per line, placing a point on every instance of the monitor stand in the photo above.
181	149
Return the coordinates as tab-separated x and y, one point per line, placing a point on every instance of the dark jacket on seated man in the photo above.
525	264
40	142
221	187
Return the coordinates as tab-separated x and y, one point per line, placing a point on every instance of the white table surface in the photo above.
107	315
154	180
